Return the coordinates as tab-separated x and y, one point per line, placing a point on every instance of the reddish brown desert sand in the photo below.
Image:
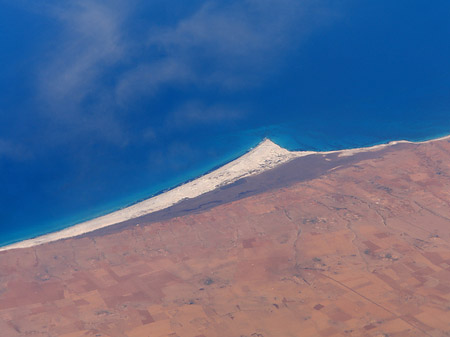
320	245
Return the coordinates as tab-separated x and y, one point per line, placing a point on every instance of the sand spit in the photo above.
265	156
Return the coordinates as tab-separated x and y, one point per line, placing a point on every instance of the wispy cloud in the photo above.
10	150
196	113
232	45
147	78
90	42
70	85
96	68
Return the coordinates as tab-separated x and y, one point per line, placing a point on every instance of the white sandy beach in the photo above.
265	156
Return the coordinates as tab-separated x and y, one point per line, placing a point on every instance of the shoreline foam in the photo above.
265	156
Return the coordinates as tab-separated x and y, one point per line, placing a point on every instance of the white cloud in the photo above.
196	113
227	45
147	78
10	150
90	42
230	45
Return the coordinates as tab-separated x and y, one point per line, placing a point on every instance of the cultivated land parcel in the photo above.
320	245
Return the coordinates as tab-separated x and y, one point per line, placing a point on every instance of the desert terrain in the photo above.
324	245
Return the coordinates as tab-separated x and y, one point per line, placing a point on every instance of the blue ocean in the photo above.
103	104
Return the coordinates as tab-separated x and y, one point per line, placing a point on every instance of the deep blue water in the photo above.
104	105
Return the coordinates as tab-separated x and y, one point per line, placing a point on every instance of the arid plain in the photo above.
321	246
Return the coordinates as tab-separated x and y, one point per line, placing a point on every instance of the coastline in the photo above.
267	155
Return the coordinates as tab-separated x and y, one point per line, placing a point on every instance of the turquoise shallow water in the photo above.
103	106
70	214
